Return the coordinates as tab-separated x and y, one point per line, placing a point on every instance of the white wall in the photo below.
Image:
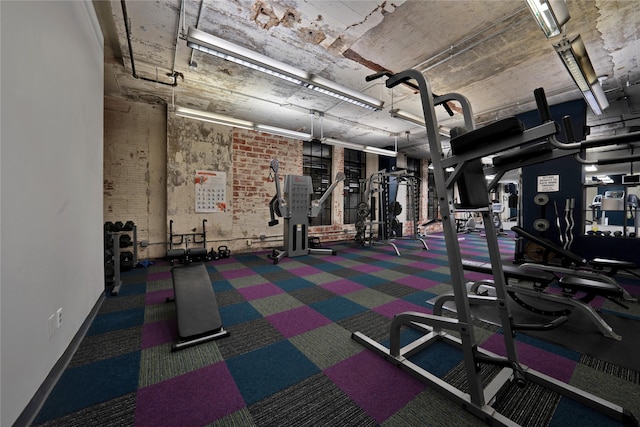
51	186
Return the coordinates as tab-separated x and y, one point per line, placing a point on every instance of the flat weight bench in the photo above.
596	268
541	279
197	314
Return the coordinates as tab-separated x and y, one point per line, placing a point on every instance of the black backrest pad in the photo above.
472	186
550	246
486	135
196	307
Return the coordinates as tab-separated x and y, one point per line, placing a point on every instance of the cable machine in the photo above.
294	205
467	149
389	228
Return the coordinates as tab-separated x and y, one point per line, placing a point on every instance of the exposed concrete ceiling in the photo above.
490	51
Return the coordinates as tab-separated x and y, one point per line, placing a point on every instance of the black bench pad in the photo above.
510	271
486	135
196	307
591	286
613	263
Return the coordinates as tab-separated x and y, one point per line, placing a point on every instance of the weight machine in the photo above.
506	136
179	249
389	228
296	207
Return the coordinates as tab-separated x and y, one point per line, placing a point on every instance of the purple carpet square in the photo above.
377	386
157	333
342	287
159	275
297	321
236	273
260	291
366	268
193	399
305	271
418	282
536	358
158	297
399	306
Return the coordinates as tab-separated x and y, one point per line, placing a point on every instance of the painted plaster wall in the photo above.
134	179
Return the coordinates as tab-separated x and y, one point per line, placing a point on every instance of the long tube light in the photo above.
576	59
550	15
412	118
365	148
379	151
216	46
230	121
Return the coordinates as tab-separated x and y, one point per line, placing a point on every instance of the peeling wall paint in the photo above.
134	169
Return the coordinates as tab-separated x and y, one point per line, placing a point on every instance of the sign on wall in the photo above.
548	183
210	191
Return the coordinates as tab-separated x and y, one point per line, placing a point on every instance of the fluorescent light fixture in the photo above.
550	15
407	116
575	58
412	118
216	46
590	168
206	116
283	132
337	143
379	151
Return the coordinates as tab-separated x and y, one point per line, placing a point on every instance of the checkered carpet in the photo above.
290	359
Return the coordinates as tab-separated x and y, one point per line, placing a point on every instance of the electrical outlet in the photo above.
248	242
52	325
59	317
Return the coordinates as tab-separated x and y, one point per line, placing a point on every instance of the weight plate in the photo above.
541	224
541	199
537	252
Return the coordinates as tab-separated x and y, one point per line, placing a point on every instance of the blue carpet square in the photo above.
434	275
369	280
90	384
238	313
137	288
222	285
338	308
420	298
116	320
269	369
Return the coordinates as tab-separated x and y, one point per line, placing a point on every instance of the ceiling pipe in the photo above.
173	74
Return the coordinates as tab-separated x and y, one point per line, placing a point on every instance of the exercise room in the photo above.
320	213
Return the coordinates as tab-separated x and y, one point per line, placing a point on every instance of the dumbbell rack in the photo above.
113	256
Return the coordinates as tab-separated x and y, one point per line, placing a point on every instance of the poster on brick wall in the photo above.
210	191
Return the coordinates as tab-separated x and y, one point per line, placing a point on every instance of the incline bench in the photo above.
197	312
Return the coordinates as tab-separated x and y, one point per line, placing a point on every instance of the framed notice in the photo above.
210	191
548	183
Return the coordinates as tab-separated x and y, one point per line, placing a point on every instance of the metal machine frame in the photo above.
294	205
469	177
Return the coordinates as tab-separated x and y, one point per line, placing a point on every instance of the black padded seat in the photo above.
486	135
510	271
591	286
613	264
525	153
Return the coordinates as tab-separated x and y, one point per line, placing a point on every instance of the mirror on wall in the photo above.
612	205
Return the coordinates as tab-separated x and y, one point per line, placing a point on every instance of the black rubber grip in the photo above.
543	107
